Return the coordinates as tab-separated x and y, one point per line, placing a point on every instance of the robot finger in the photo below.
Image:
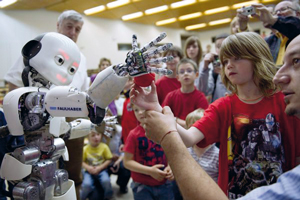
160	60
108	131
160	49
110	118
107	134
160	71
154	42
134	43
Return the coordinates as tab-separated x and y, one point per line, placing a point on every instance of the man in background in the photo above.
283	21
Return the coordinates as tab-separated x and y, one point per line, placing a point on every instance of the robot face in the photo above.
58	59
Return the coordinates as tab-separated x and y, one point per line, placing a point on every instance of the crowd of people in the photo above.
213	129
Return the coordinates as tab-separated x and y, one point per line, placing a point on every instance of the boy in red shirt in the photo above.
148	164
168	83
187	98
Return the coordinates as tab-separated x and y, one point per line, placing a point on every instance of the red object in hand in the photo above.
144	80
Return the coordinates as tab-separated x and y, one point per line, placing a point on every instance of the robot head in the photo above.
54	56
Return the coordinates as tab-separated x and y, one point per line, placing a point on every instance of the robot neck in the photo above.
31	77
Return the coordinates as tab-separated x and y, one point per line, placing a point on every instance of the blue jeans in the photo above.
88	184
123	175
145	192
176	191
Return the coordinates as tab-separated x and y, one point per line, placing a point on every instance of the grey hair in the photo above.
70	14
295	4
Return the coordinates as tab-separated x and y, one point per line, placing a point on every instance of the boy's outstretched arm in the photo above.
149	101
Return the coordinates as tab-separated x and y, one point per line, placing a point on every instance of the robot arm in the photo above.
80	127
111	81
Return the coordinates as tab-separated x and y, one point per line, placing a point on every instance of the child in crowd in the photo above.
169	83
193	51
96	159
117	166
104	63
257	140
148	164
187	98
208	157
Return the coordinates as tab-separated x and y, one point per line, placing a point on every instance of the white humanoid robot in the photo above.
38	111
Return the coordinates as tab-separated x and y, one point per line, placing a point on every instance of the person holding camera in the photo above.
212	61
283	21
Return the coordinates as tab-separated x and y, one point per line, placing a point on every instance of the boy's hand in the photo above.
115	167
98	169
121	148
208	58
91	170
156	173
147	101
169	174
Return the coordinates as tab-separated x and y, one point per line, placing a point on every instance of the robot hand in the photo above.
138	61
107	126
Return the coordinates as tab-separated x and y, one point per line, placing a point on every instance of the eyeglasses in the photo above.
188	71
283	9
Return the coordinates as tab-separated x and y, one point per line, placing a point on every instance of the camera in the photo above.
216	62
250	10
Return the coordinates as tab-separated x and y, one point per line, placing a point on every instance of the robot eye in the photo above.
59	60
72	70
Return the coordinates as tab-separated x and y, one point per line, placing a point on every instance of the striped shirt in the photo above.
286	187
209	161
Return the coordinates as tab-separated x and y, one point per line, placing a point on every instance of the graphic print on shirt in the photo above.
150	152
255	155
94	159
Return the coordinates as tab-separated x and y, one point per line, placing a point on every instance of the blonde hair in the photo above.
191	40
250	46
194	116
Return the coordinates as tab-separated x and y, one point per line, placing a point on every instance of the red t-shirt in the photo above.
257	141
129	120
164	85
146	153
182	104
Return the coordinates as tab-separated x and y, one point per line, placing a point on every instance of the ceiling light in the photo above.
190	16
132	16
182	3
118	3
267	1
94	10
167	21
156	10
221	21
196	26
5	3
203	0
216	10
239	5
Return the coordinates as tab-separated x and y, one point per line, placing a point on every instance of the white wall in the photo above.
98	38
